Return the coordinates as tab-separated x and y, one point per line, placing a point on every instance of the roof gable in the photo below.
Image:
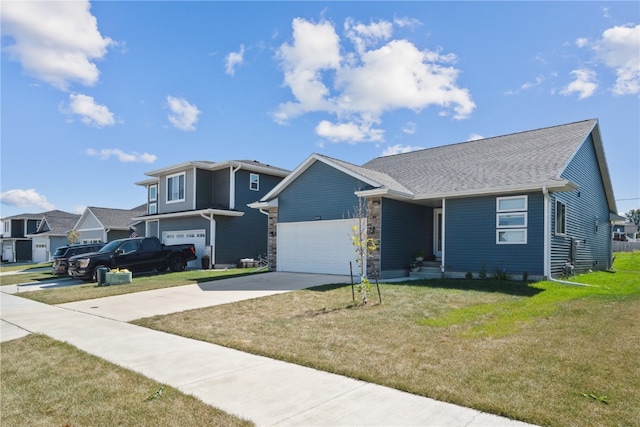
110	218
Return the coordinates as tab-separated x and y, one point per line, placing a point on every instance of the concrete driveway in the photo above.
138	305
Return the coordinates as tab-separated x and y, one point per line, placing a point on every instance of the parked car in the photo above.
60	258
135	254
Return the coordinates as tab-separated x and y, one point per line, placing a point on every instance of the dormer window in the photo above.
175	188
254	182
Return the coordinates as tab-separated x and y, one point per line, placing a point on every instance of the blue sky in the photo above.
96	94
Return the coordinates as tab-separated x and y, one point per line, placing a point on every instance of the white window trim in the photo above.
155	206
511	230
524	214
153	199
257	182
523	209
564	232
184	190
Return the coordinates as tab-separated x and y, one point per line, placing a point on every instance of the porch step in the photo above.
427	272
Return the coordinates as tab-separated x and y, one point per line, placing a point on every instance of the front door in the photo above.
437	233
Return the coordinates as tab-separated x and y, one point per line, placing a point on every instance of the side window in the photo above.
130	246
561	218
254	182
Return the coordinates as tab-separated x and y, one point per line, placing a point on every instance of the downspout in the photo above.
106	234
212	238
547	242
442	237
232	186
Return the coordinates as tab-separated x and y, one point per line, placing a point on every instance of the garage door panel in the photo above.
197	237
316	247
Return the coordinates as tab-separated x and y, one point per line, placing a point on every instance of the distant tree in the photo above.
634	216
73	236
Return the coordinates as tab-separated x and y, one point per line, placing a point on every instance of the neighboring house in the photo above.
205	203
102	225
34	237
625	231
51	234
524	203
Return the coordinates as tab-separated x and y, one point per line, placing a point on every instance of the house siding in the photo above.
470	238
405	228
204	189
585	207
187	204
221	186
320	192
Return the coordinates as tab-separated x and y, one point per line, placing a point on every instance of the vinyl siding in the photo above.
584	207
470	238
405	228
187	204
321	191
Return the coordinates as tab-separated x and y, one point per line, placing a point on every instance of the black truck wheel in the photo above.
177	263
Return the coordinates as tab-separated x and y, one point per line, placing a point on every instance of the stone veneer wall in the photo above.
272	244
374	226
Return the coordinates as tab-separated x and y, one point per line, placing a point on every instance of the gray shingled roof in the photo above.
118	218
60	222
526	158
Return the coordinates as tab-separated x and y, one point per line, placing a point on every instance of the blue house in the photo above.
205	203
525	204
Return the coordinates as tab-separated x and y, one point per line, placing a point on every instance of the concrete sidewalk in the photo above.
265	391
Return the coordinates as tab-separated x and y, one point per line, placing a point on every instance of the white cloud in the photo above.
527	85
184	115
233	59
409	128
106	153
399	149
348	132
55	41
582	42
619	49
363	36
584	84
359	87
475	137
90	113
25	198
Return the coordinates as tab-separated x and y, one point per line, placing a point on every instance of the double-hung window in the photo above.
511	220
153	199
561	218
254	182
175	188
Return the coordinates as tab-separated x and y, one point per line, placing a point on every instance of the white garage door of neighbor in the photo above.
40	251
317	247
197	237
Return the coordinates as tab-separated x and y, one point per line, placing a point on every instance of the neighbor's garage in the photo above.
316	247
197	237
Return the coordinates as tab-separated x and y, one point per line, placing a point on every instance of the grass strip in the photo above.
49	383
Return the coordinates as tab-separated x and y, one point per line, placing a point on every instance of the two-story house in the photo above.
205	203
51	234
18	230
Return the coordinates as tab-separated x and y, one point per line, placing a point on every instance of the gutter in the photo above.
232	185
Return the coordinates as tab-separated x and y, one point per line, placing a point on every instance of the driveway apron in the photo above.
265	391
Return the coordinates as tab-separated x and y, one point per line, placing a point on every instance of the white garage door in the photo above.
197	237
40	252
317	247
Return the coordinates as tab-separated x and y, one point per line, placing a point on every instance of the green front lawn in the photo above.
546	353
140	283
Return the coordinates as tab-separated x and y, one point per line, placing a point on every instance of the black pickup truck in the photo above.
135	254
